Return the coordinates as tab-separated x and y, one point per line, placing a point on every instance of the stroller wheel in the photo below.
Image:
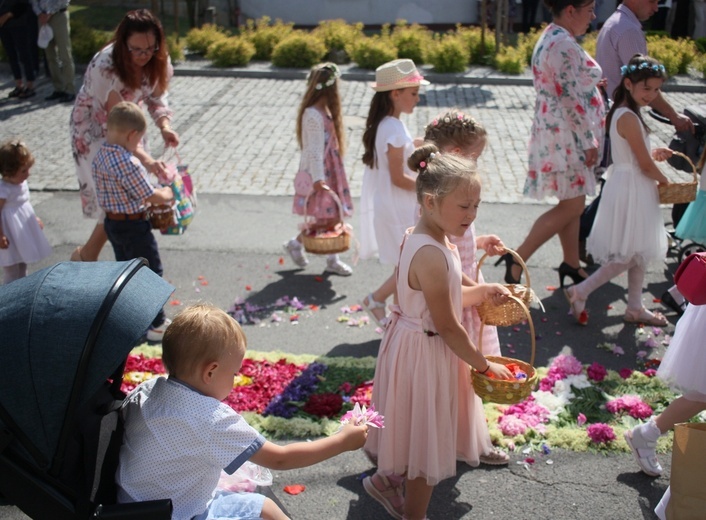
694	247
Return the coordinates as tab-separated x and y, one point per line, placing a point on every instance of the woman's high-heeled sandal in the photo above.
509	262
572	272
578	306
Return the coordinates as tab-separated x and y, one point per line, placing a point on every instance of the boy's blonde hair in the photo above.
441	173
126	117
200	334
14	155
454	129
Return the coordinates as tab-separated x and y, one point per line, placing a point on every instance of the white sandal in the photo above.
371	307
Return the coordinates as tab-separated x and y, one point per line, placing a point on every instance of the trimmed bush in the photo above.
86	42
370	53
675	55
412	41
234	51
336	34
510	60
527	41
198	40
480	54
176	48
265	36
701	44
449	54
701	65
299	50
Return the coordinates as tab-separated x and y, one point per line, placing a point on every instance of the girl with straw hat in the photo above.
388	204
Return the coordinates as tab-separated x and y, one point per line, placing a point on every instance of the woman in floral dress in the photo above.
566	137
135	67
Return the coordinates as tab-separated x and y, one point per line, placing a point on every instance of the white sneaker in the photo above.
296	251
644	452
338	267
157	333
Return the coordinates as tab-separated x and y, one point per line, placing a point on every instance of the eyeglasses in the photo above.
143	52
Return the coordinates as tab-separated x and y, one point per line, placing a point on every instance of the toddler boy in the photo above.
123	191
179	435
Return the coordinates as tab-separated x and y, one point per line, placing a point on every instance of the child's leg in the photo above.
14	272
635	312
602	276
679	410
417	497
375	302
271	511
387	490
90	251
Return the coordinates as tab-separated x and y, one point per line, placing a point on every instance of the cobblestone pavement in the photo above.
238	133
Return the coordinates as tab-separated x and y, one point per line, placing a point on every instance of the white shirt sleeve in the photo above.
313	144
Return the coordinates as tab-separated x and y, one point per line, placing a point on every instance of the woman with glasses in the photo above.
134	66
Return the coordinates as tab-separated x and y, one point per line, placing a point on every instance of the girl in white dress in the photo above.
388	204
21	238
628	232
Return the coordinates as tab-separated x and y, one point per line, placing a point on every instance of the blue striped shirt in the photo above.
120	179
49	6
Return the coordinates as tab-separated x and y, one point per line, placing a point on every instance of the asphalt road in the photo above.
235	244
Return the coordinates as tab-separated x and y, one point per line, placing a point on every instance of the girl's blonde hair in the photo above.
454	129
200	334
439	174
14	155
323	82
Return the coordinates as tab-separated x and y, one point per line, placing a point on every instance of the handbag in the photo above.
688	493
691	278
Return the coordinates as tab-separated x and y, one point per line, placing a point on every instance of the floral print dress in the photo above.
569	117
89	118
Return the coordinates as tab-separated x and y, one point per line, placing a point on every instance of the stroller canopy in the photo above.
46	326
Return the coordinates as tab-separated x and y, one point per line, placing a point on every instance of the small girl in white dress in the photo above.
21	238
628	232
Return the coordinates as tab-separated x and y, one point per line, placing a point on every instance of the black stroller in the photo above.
65	333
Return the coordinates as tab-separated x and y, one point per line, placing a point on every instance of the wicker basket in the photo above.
679	192
326	242
162	216
507	391
508	313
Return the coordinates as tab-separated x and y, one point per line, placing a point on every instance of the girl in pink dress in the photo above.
422	380
321	136
458	133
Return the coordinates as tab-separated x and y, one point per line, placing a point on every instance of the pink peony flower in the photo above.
650	372
600	433
597	372
512	425
632	405
625	372
568	365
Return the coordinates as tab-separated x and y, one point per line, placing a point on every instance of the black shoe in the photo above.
54	95
67	98
15	92
509	262
572	272
670	302
27	93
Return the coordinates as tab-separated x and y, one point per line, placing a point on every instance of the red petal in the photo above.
294	489
175	302
319	278
204	282
281	260
248	288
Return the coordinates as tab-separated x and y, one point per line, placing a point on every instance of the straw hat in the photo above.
397	74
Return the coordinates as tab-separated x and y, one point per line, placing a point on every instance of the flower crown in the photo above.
335	74
627	69
465	120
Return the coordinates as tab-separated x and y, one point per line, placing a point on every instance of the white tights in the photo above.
14	272
608	271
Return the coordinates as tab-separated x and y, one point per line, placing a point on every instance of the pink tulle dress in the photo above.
432	416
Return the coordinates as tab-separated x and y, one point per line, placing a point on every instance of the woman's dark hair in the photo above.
141	21
380	106
557	6
639	68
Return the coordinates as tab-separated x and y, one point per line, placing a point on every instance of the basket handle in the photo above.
683	156
531	326
517	258
335	198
